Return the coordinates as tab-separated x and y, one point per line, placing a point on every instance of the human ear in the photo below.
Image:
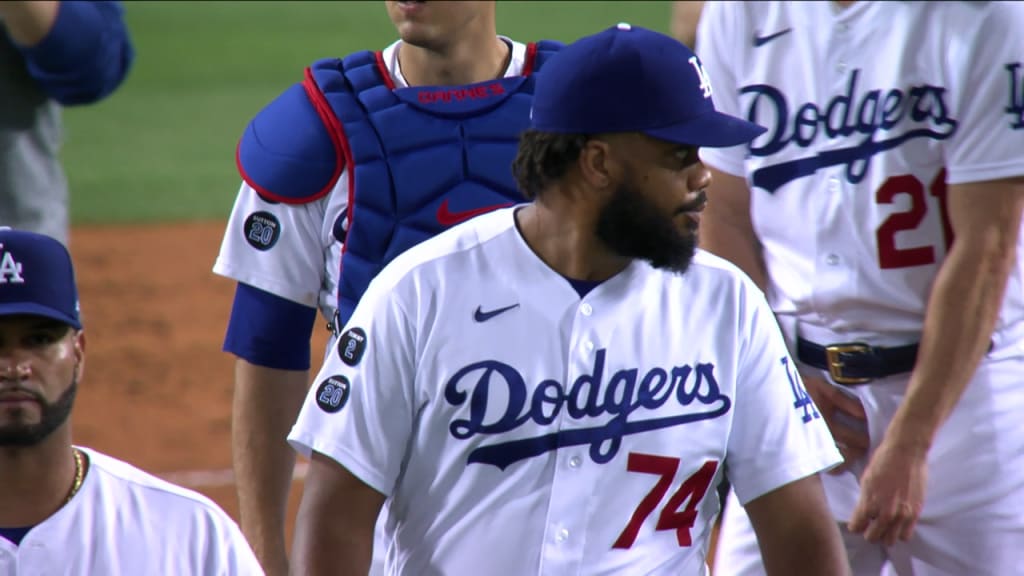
79	354
597	164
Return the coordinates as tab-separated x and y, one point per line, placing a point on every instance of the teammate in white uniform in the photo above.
555	388
893	128
67	510
685	16
293	268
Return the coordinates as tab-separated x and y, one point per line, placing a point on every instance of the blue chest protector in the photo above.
419	159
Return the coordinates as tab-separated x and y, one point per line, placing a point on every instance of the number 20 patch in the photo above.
332	394
262	230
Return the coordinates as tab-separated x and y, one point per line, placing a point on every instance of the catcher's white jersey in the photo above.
478	391
125	522
848	184
303	260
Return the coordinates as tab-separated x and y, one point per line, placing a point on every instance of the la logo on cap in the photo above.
705	82
10	270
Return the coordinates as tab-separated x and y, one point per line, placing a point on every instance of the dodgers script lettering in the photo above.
625	397
886	119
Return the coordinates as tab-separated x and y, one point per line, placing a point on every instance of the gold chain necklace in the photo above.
79	475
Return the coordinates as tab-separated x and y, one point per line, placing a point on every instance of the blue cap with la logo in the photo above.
37	277
631	79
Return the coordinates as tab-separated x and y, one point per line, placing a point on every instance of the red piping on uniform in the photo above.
385	74
263	192
252	183
341	147
531	57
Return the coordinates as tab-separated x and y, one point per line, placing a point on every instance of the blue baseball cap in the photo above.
37	277
631	79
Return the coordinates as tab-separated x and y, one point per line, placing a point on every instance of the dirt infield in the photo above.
157	388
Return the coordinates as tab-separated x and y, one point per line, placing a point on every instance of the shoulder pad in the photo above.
286	153
543	50
361	58
549	45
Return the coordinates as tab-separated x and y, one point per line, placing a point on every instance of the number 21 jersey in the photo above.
872	111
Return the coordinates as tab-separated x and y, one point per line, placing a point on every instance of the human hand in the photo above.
844	416
685	16
891	494
27	23
13	8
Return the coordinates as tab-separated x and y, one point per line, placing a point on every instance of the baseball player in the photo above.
66	510
52	54
366	157
882	214
685	15
569	371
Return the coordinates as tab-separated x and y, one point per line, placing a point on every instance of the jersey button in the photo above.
575	462
841	66
832	259
562	535
586	309
588	345
833	184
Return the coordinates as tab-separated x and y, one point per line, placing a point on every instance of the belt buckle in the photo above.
835	365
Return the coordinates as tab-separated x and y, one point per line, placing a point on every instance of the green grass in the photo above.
162	147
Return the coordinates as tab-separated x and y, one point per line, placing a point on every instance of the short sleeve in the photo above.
718	47
361	407
237	557
987	71
778	435
278	248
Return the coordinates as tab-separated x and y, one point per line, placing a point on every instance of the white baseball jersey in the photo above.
478	392
872	111
303	262
125	522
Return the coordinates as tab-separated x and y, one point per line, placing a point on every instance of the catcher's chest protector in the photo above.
420	159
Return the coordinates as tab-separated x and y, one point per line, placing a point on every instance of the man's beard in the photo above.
633	227
52	416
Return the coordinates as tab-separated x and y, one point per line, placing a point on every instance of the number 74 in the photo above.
690	493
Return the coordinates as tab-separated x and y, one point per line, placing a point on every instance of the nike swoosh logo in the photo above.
481	316
762	40
446	217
